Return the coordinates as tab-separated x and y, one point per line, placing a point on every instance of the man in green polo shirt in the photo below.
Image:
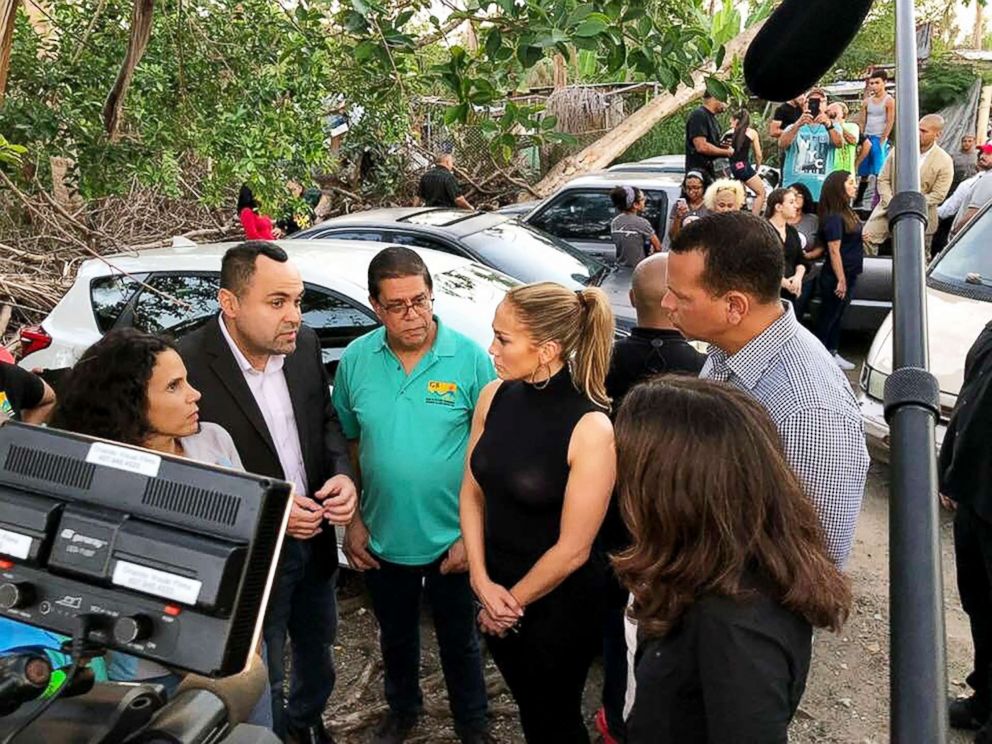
405	394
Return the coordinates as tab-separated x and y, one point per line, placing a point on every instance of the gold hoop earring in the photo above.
546	381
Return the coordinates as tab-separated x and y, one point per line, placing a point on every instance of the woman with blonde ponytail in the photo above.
540	472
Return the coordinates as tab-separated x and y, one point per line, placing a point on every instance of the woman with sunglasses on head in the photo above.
539	478
633	236
690	205
728	571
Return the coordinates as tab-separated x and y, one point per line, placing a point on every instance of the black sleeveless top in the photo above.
521	464
741	154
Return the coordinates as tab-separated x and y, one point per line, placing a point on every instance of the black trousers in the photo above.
546	662
303	605
973	559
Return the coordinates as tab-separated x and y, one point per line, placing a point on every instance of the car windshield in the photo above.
534	256
966	267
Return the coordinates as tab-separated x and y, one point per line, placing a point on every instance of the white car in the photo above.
959	305
174	291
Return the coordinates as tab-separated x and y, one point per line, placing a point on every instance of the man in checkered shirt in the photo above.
724	284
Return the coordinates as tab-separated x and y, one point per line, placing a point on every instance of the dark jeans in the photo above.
942	236
303	605
396	595
832	309
973	559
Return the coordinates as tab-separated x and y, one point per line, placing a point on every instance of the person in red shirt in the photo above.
256	226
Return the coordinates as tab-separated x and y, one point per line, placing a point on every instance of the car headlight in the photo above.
873	383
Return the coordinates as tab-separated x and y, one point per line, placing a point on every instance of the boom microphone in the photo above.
799	43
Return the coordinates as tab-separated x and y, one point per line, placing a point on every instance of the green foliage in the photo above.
239	87
944	83
10	153
241	90
614	39
664	138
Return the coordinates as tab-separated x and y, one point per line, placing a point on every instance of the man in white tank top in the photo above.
877	117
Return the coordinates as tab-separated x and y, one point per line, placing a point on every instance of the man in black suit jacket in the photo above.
262	378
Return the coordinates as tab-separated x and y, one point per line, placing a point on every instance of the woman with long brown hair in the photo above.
728	571
840	232
541	468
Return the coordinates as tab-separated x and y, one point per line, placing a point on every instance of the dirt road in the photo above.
847	696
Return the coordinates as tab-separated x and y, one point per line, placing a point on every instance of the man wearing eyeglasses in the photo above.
405	394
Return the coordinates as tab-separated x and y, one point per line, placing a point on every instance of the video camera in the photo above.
124	549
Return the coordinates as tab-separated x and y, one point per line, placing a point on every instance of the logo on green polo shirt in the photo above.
441	393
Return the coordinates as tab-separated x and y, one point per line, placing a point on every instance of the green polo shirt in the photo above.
413	432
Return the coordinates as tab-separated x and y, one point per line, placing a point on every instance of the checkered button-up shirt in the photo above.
811	402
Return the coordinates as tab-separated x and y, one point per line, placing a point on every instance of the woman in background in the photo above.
540	474
725	195
256	225
131	387
690	205
780	210
840	232
633	236
745	140
807	224
728	570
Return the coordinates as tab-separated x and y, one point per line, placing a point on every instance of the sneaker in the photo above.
604	728
963	713
393	728
843	363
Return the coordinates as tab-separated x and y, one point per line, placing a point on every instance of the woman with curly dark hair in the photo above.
728	571
131	387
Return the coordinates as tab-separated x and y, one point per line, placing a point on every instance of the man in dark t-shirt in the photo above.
24	396
654	347
785	115
702	137
439	187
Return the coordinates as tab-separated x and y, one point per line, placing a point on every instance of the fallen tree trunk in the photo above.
614	143
141	31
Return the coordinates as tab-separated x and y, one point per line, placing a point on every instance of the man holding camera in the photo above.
809	145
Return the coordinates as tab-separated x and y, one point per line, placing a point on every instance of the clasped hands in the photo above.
499	610
335	502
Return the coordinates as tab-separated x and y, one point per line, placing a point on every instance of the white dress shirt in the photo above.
272	396
959	198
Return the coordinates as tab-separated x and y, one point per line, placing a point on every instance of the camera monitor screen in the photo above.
172	559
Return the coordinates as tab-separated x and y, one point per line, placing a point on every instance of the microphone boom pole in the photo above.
918	685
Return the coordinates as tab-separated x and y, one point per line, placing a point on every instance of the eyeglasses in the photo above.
419	304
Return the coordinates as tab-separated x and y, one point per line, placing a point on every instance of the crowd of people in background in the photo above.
839	169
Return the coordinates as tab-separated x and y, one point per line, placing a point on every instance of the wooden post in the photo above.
8	14
982	124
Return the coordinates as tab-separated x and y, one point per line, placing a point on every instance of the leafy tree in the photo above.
240	90
615	39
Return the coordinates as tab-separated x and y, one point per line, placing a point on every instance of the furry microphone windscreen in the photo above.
799	44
